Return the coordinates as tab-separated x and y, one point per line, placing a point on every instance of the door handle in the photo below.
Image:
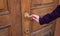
26	15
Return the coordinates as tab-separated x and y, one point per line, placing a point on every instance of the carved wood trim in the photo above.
42	6
42	29
2	13
5	26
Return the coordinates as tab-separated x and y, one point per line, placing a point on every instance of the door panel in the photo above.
59	2
40	7
4	19
39	11
46	31
41	2
10	18
4	32
3	5
43	9
47	1
36	2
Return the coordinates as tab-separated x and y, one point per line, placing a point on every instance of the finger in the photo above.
36	20
34	17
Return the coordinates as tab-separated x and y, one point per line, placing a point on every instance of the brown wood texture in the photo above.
57	31
10	18
25	5
43	11
3	5
59	2
14	23
39	7
40	12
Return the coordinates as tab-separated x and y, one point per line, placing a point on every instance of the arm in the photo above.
50	17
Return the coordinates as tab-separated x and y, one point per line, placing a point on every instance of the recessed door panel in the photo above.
36	2
4	20
4	32
42	11
47	1
42	2
46	31
3	5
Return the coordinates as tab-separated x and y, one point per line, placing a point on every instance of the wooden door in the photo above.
41	8
59	2
57	26
10	24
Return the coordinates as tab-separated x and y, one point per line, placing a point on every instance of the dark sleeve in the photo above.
50	17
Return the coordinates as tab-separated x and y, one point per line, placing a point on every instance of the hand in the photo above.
35	17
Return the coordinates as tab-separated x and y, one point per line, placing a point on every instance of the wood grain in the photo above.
10	24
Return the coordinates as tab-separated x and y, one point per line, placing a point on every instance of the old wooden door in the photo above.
39	7
10	18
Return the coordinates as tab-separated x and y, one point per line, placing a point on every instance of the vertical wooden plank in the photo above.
25	5
15	17
59	2
57	31
1	4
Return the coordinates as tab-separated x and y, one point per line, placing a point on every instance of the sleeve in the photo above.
50	17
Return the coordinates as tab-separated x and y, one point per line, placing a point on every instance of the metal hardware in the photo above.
27	14
26	30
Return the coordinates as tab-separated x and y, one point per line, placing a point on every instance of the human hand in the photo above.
35	17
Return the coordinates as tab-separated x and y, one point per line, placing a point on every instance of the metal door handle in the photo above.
27	14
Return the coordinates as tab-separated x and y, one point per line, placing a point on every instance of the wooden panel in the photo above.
35	26
10	18
59	2
42	11
4	30
3	5
4	20
41	2
30	26
39	11
57	31
25	5
46	31
15	17
46	1
36	2
42	8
